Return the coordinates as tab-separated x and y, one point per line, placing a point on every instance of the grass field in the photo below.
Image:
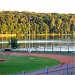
17	64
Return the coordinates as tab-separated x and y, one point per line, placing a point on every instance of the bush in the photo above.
13	43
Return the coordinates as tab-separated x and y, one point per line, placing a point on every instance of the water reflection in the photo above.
43	43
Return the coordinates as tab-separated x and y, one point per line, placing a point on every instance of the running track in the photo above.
63	59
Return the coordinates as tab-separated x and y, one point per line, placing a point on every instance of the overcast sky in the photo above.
48	6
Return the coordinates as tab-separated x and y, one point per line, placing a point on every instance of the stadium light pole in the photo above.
2	39
25	40
29	35
46	38
10	40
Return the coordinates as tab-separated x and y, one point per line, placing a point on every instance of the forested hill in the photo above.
40	23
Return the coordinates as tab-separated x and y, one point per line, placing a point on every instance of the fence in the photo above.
66	69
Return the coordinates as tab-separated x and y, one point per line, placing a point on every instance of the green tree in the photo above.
13	43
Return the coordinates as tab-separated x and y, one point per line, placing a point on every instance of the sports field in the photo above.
18	63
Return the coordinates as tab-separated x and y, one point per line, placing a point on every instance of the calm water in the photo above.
43	43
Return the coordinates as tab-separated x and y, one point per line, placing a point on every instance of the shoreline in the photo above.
14	35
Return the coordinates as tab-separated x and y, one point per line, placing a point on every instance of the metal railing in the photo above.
66	69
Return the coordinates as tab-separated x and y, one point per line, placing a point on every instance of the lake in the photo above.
42	43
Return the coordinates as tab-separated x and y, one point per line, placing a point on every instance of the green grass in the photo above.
17	64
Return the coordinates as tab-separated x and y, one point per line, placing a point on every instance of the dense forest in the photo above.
16	22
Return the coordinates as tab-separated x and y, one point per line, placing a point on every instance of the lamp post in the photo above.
46	38
29	35
2	40
25	39
10	39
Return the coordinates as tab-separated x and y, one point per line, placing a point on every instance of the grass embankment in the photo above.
17	64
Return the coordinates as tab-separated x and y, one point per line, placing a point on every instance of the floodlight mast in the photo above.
29	35
2	39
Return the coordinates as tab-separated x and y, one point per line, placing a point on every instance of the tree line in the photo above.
16	22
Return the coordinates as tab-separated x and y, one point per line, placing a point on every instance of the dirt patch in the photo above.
2	59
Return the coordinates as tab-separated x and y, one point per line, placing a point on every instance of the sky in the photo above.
45	6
